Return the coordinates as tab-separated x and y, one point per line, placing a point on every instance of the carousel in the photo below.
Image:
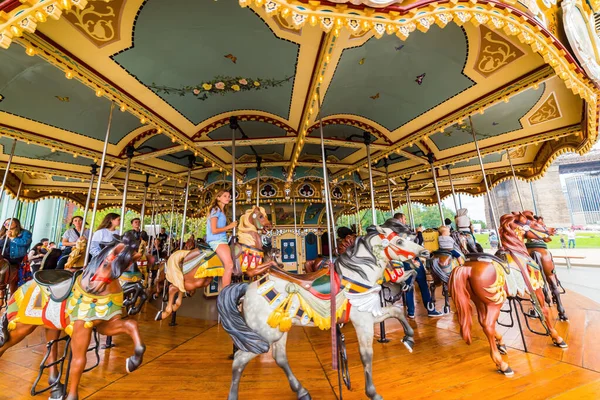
312	116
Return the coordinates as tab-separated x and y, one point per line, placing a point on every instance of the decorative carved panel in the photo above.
98	21
495	52
546	112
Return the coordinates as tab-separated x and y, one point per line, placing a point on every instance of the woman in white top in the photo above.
105	232
70	237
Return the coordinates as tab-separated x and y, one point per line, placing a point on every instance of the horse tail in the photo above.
173	270
234	323
459	279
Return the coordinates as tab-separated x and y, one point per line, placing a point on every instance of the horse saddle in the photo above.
484	257
444	257
57	281
318	282
50	259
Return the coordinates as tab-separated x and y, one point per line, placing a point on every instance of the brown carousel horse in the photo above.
9	277
76	303
188	270
489	281
538	250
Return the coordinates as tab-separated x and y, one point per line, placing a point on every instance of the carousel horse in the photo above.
188	270
489	281
279	300
76	258
133	282
76	303
9	278
320	262
538	250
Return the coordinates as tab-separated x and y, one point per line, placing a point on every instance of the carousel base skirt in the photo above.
190	361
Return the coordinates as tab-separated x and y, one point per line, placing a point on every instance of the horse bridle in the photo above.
386	242
541	235
109	259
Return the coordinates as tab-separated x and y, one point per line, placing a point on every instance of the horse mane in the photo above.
510	240
123	259
350	259
245	228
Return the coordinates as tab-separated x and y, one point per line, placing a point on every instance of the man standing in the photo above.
571	236
421	281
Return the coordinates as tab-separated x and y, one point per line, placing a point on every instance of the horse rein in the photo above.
95	277
386	242
541	235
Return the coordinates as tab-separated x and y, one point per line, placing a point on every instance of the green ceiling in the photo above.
388	68
35	152
490	158
190	47
31	89
497	120
342	132
252	129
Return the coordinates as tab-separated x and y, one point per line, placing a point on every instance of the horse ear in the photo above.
379	229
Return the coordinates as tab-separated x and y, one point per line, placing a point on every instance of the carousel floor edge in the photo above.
190	360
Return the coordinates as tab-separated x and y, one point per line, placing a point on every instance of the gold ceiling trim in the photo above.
512	21
54	145
531	80
25	18
36	45
555	134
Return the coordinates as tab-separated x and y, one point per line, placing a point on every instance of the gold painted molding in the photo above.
25	18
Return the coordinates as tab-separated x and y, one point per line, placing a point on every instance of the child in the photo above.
446	242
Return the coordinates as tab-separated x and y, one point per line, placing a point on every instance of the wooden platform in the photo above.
189	361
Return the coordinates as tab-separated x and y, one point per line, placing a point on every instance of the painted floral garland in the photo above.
221	85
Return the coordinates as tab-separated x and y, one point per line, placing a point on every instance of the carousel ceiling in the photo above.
412	74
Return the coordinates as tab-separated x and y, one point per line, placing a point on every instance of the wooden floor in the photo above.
189	361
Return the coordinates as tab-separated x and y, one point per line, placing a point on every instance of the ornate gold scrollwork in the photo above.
547	111
496	52
98	20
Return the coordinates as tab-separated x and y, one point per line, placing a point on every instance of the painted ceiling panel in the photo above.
273	150
380	80
35	152
190	47
490	158
180	158
315	150
497	120
158	142
253	129
33	89
341	132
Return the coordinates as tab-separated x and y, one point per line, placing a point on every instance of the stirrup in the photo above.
60	362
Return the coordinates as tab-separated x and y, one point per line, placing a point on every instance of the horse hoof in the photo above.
562	345
305	397
446	310
158	316
57	392
508	372
563	318
131	365
502	349
408	343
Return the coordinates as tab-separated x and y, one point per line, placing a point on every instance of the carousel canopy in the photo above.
408	78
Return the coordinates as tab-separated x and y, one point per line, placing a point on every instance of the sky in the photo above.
475	205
